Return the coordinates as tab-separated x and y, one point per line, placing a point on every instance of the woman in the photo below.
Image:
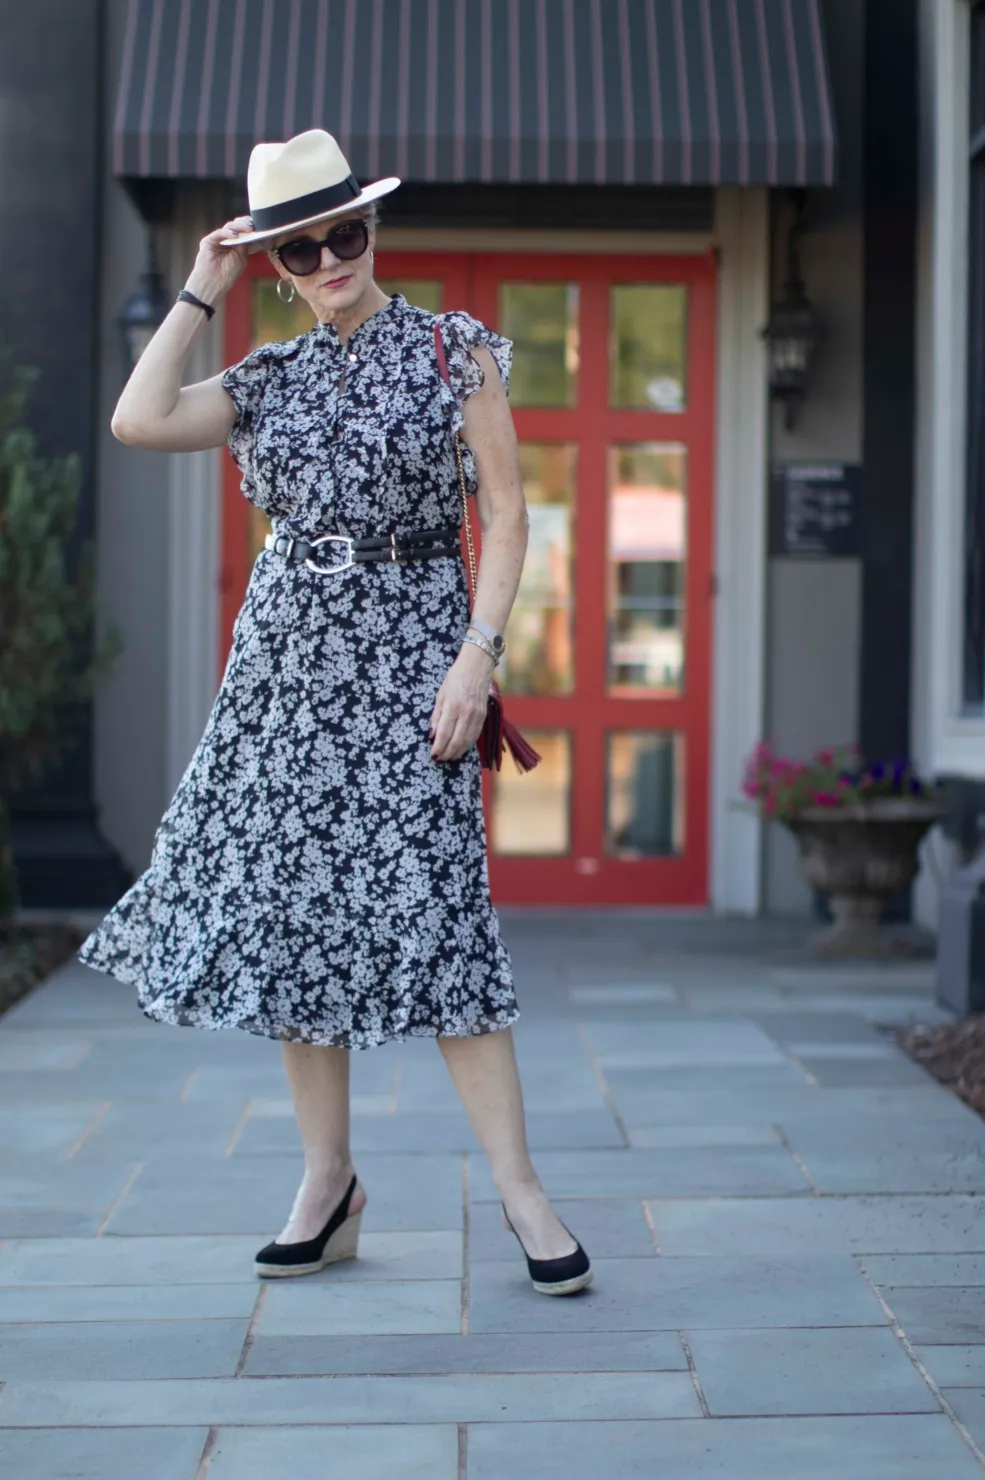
320	875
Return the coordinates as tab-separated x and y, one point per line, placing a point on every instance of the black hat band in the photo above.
268	218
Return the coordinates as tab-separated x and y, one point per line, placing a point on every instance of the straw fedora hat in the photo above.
299	183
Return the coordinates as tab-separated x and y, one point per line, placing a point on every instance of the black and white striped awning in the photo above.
604	92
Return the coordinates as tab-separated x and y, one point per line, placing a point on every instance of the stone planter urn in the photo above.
859	854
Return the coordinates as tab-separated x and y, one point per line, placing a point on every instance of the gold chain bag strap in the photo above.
497	732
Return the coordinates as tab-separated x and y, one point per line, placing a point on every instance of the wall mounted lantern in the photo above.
793	335
145	310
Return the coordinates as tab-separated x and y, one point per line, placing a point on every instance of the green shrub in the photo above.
47	664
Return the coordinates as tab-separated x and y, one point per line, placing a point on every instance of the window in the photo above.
973	667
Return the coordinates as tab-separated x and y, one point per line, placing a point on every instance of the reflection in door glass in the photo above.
274	319
531	814
542	321
647	565
421	292
645	810
539	658
648	352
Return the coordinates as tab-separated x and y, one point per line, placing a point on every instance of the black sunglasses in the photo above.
347	241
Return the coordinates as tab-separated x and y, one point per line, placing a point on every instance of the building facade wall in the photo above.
946	741
815	607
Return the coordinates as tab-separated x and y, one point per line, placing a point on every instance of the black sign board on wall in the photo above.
815	510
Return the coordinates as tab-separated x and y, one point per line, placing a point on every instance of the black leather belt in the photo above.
425	544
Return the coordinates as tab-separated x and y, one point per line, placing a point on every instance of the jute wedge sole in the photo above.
343	1244
565	1287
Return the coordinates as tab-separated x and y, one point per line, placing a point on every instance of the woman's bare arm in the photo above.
155	411
460	708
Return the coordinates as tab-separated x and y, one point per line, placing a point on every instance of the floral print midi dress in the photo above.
317	877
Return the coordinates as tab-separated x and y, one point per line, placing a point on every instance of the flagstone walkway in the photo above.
787	1220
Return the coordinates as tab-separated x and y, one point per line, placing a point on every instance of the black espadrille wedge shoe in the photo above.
564	1276
338	1240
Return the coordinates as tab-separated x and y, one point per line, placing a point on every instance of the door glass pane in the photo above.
645	802
649	347
274	319
531	814
539	657
421	292
542	321
647	555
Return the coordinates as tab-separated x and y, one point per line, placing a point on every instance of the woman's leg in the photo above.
485	1074
319	1079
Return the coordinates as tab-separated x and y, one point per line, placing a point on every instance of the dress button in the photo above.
352	359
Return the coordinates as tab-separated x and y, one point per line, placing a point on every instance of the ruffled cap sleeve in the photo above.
461	334
245	384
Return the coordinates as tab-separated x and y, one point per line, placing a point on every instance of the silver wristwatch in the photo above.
495	639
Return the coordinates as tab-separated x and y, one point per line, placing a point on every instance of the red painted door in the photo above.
608	665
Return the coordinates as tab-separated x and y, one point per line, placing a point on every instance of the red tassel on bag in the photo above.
497	732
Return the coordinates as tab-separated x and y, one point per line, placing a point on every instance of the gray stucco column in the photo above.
52	96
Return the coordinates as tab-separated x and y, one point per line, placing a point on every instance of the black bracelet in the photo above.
185	297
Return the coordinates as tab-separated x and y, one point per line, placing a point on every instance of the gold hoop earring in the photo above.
292	290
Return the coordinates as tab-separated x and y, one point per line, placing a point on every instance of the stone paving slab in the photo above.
240	1194
764	1373
954	1366
879	1448
682	1293
751	1171
195	1268
631	995
396	1308
885	1164
925	1269
145	1133
858	1225
755	1104
42	1052
103	1454
938	1316
26	1087
412	1452
127	1261
969	1405
714	1044
595	1351
816	1030
625	1081
50	1200
533	1397
668	1137
38	1303
430	1132
101	1350
44	1130
848	1071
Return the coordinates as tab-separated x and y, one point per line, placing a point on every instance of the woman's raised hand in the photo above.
217	268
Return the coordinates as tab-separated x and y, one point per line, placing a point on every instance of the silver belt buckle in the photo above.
326	539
